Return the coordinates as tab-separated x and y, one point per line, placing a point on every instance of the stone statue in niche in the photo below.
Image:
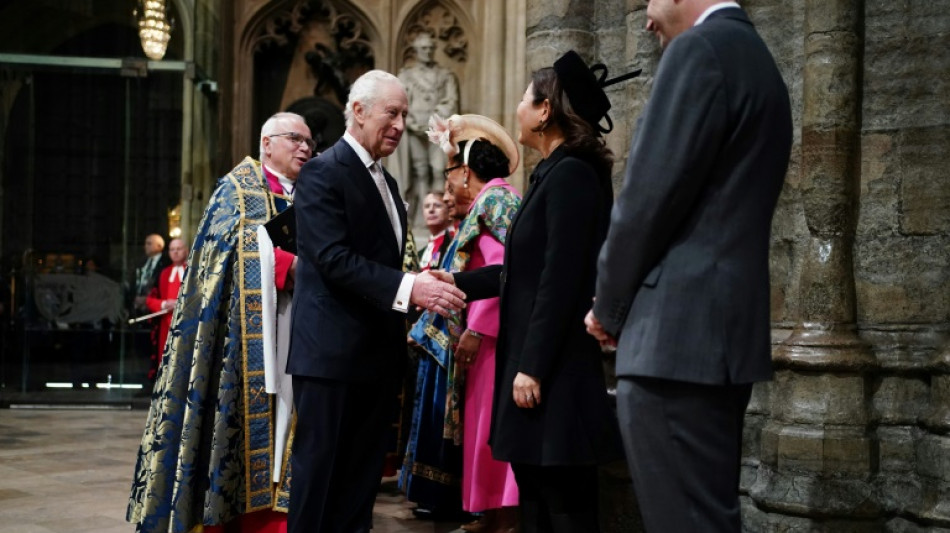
432	89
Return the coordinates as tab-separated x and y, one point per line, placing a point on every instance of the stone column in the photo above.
817	452
933	455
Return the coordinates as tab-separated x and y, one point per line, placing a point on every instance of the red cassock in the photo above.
169	281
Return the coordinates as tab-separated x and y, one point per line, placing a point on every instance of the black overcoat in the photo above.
547	282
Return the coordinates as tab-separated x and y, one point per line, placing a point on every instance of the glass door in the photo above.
91	166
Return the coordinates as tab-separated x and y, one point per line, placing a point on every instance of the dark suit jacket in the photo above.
683	277
548	273
349	268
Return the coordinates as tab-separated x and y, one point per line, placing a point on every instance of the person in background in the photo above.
348	345
146	334
146	276
441	229
165	293
214	450
481	155
683	277
448	198
441	501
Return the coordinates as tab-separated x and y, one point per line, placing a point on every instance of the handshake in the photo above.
436	291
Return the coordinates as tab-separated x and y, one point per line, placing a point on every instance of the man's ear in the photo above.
358	111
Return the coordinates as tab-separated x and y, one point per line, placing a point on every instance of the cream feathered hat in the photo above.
447	133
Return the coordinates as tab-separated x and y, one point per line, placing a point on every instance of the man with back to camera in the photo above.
348	343
683	277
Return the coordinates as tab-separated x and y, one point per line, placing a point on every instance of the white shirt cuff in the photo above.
401	303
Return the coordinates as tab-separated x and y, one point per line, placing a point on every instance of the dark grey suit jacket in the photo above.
349	267
683	277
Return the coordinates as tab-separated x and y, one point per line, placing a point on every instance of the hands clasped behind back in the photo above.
436	295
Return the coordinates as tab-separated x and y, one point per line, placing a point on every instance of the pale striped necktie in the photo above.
386	196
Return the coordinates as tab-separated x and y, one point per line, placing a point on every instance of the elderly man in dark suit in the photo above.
683	280
348	340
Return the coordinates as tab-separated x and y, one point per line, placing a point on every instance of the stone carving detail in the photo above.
441	24
329	49
432	90
434	53
349	36
280	28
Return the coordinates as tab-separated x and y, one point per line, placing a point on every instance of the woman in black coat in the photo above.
552	419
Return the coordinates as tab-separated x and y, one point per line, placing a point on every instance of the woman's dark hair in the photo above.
486	159
580	138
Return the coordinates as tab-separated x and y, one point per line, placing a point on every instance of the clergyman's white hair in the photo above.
365	90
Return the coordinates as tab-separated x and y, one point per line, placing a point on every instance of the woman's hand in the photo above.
526	391
467	348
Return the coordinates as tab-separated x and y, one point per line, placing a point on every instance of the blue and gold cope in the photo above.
208	449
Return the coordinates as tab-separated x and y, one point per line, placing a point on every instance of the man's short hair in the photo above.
364	90
270	127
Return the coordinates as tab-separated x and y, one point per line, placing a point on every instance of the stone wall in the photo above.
852	433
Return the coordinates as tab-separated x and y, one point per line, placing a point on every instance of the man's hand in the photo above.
596	329
436	295
526	391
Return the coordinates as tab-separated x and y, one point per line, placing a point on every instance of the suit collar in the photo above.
715	8
728	12
344	154
358	149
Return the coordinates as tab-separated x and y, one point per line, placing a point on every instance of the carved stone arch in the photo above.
277	53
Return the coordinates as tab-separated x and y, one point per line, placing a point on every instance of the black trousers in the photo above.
337	456
559	499
683	444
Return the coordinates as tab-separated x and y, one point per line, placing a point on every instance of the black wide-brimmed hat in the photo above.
585	90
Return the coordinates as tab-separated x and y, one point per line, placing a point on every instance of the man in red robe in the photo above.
163	295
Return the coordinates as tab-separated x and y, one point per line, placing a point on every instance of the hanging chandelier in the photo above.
154	27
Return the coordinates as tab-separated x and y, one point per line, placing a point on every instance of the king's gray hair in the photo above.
364	90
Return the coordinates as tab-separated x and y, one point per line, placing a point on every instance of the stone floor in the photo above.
68	471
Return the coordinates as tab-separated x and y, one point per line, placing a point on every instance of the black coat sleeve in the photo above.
480	283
